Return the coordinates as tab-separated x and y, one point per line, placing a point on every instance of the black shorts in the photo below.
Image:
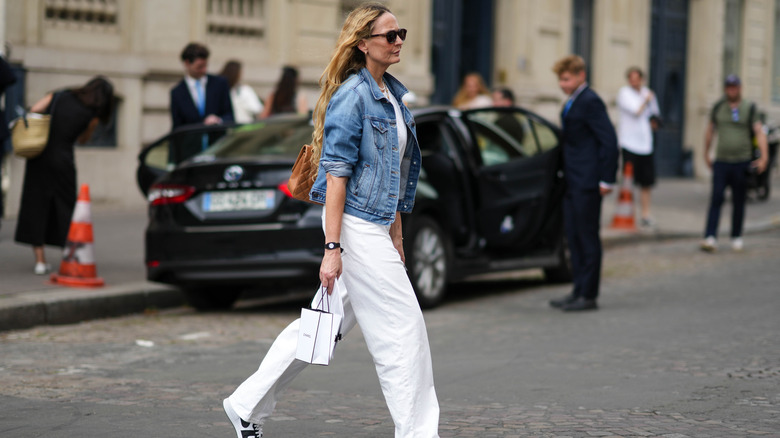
644	168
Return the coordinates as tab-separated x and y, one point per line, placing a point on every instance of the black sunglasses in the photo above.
392	35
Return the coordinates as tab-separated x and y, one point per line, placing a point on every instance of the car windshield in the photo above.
282	138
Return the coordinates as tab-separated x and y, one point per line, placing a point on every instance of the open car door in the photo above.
165	154
518	177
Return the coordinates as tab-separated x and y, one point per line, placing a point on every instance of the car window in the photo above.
501	136
545	136
158	156
274	138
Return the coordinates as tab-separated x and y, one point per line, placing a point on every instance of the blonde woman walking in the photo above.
369	161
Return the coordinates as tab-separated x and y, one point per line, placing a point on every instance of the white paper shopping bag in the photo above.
320	328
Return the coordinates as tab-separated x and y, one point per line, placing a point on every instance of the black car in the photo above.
221	220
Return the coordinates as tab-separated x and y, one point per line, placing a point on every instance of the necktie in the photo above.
566	107
201	98
202	111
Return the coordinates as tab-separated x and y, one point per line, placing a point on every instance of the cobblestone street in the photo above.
685	345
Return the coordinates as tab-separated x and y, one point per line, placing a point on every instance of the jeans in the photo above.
724	175
380	298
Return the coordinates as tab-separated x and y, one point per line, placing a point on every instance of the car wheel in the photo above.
428	262
562	272
205	299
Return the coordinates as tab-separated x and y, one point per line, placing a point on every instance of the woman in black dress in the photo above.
49	190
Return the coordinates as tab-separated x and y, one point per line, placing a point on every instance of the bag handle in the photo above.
324	296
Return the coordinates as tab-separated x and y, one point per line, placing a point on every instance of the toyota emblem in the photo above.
233	173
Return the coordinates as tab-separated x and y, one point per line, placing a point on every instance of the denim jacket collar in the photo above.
394	85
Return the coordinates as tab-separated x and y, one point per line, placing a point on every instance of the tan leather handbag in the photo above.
303	174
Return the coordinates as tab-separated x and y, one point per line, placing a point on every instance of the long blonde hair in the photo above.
347	59
462	96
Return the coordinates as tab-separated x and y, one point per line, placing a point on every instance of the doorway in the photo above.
668	52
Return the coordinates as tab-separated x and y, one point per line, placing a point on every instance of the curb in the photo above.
616	238
68	306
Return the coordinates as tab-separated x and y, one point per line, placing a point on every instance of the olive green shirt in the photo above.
734	140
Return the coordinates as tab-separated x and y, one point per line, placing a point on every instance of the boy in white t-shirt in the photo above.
637	104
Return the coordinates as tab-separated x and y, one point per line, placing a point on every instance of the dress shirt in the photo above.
191	86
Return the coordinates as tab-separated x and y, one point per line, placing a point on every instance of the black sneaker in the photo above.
243	429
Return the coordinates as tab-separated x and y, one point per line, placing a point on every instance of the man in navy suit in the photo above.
199	97
590	153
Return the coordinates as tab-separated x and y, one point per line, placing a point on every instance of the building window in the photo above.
82	14
236	20
582	30
776	56
732	40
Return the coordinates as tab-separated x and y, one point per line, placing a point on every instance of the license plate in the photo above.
239	200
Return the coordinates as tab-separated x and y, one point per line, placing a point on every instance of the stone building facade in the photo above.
136	44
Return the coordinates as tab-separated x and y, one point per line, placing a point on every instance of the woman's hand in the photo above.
330	269
399	246
396	233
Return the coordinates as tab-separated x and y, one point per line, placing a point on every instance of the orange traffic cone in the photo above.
78	261
624	213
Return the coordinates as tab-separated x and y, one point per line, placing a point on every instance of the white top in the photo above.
400	124
634	132
480	101
246	104
193	91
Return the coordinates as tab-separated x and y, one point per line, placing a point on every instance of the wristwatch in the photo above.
334	245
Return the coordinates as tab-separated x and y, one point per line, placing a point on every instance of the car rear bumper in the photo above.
290	266
239	258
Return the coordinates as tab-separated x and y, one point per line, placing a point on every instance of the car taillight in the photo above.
284	189
162	194
153	264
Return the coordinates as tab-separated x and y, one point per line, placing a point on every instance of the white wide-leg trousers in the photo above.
381	300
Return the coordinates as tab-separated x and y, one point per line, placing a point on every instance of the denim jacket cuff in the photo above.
337	169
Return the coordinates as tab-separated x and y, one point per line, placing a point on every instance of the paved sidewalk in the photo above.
679	207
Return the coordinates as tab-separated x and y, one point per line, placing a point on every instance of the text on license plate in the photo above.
239	200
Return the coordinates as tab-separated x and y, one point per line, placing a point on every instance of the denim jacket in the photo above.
361	143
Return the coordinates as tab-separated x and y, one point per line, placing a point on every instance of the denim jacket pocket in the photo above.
380	134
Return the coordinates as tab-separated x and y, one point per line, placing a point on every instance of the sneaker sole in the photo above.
228	409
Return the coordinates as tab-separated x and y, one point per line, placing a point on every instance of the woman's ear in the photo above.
363	47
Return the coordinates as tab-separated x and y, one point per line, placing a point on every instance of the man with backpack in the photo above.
735	122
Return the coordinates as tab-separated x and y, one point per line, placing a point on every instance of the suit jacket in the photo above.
590	148
184	111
